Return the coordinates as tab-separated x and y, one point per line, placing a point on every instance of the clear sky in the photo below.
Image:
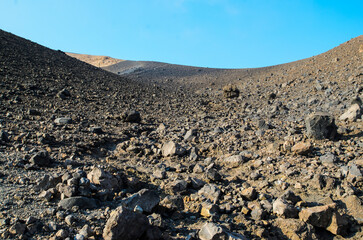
206	33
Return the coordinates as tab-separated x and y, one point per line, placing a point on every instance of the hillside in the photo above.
159	151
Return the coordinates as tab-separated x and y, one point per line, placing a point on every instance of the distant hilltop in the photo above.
97	61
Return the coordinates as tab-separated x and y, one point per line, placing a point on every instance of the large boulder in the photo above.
230	91
283	208
213	231
104	179
171	148
146	199
326	217
320	126
211	192
41	159
296	230
81	202
352	114
125	224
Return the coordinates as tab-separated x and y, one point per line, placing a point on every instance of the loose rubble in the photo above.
270	153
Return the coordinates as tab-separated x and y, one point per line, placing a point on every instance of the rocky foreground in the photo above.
277	153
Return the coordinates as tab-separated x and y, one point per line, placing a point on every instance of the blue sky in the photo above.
206	33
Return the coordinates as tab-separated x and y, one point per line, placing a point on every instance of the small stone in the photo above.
211	231
173	203
169	149
233	161
249	193
41	159
62	234
81	202
69	220
328	158
282	208
86	231
258	214
198	168
178	186
291	197
190	134
211	192
63	94
354	207
131	116
97	130
302	148
209	209
63	120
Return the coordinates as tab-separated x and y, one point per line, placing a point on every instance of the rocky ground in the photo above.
180	153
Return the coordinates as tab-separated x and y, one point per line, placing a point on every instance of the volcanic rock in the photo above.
320	126
125	224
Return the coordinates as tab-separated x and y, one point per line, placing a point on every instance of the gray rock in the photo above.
41	159
131	116
258	214
97	130
63	94
354	170
198	168
320	126
104	179
4	136
178	186
145	198
290	196
81	202
125	224
173	203
230	91
213	231
352	114
233	161
171	148
328	158
211	192
70	219
190	134
249	193
282	208
86	231
159	174
63	120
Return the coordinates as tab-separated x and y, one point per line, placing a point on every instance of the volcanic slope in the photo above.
190	162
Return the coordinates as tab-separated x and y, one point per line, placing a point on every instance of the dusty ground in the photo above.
180	149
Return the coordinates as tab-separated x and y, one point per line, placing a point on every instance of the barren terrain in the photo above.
149	150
